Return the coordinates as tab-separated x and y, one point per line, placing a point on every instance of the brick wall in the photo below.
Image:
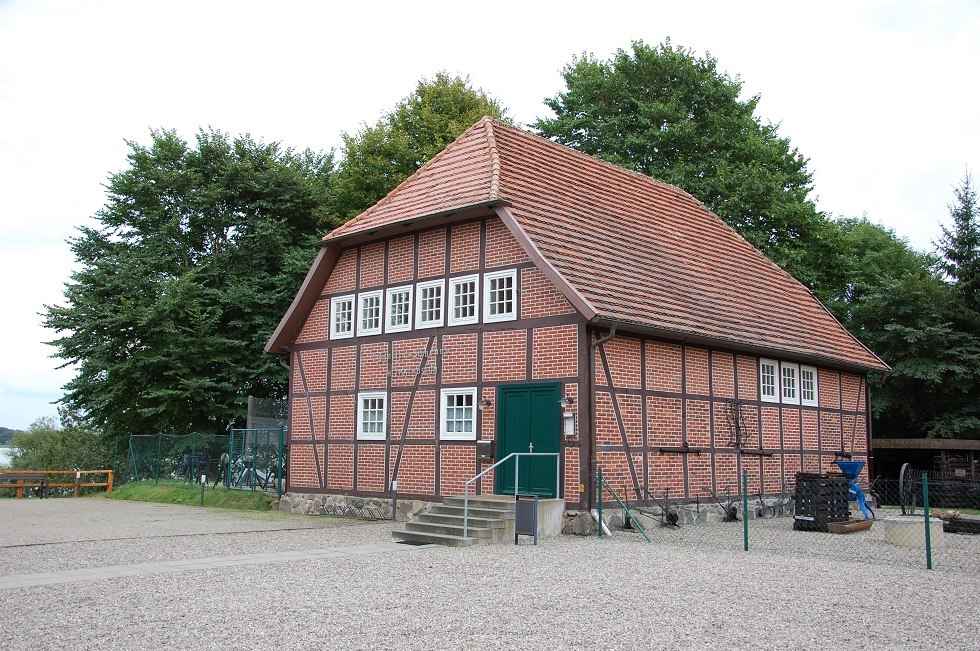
688	393
651	394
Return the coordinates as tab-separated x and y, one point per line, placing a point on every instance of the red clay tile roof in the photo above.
640	252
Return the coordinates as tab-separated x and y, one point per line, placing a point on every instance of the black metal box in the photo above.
820	499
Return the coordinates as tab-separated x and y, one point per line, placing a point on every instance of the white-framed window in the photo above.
372	416
429	304
790	383
369	313
767	380
464	300
399	314
500	296
808	386
342	317
457	414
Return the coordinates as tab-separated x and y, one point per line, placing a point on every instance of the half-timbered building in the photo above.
517	295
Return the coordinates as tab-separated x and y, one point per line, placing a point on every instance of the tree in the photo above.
959	246
197	253
913	310
378	158
50	445
871	256
663	112
933	387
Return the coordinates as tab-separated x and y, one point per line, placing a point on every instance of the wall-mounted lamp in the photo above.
566	401
482	404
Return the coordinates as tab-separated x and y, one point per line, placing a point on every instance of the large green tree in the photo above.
377	158
914	311
667	113
195	257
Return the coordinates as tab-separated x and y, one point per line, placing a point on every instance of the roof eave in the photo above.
304	300
731	344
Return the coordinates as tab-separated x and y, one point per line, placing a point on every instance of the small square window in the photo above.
458	414
790	386
342	317
808	386
372	416
500	296
399	311
463	297
428	307
767	380
369	313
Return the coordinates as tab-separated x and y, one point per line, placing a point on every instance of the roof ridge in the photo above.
394	191
494	158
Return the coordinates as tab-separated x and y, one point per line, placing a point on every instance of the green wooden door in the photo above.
528	414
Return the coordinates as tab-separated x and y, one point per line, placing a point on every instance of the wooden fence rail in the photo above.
21	479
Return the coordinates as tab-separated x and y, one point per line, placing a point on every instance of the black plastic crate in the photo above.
820	499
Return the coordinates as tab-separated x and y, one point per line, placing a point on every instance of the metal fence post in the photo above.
925	513
231	447
156	479
745	508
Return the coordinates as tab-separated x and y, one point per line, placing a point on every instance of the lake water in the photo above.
5	454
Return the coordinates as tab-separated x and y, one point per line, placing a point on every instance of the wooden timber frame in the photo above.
659	418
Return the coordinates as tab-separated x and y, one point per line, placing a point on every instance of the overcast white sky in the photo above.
880	96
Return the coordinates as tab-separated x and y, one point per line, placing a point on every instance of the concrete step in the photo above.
438	539
444	509
489	502
448	529
441	518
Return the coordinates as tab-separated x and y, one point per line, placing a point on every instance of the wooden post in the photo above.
78	482
108	488
20	489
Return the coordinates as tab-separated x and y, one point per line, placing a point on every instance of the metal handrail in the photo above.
517	465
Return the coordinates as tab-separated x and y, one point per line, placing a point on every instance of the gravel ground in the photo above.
693	589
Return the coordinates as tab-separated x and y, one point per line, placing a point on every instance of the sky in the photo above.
880	96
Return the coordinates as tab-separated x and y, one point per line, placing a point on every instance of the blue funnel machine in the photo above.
852	469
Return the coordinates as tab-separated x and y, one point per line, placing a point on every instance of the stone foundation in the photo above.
318	503
573	521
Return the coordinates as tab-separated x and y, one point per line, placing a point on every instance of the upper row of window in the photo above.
792	384
391	310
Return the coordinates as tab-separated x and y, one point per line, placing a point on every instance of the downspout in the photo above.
592	412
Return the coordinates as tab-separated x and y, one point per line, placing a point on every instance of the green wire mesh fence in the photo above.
251	459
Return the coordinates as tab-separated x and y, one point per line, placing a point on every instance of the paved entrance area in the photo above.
102	574
108	533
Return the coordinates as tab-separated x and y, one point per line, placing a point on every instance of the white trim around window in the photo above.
457	414
768	372
372	416
500	296
370	313
399	309
342	317
808	386
789	383
430	304
464	300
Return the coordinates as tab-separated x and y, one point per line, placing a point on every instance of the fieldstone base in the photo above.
318	503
